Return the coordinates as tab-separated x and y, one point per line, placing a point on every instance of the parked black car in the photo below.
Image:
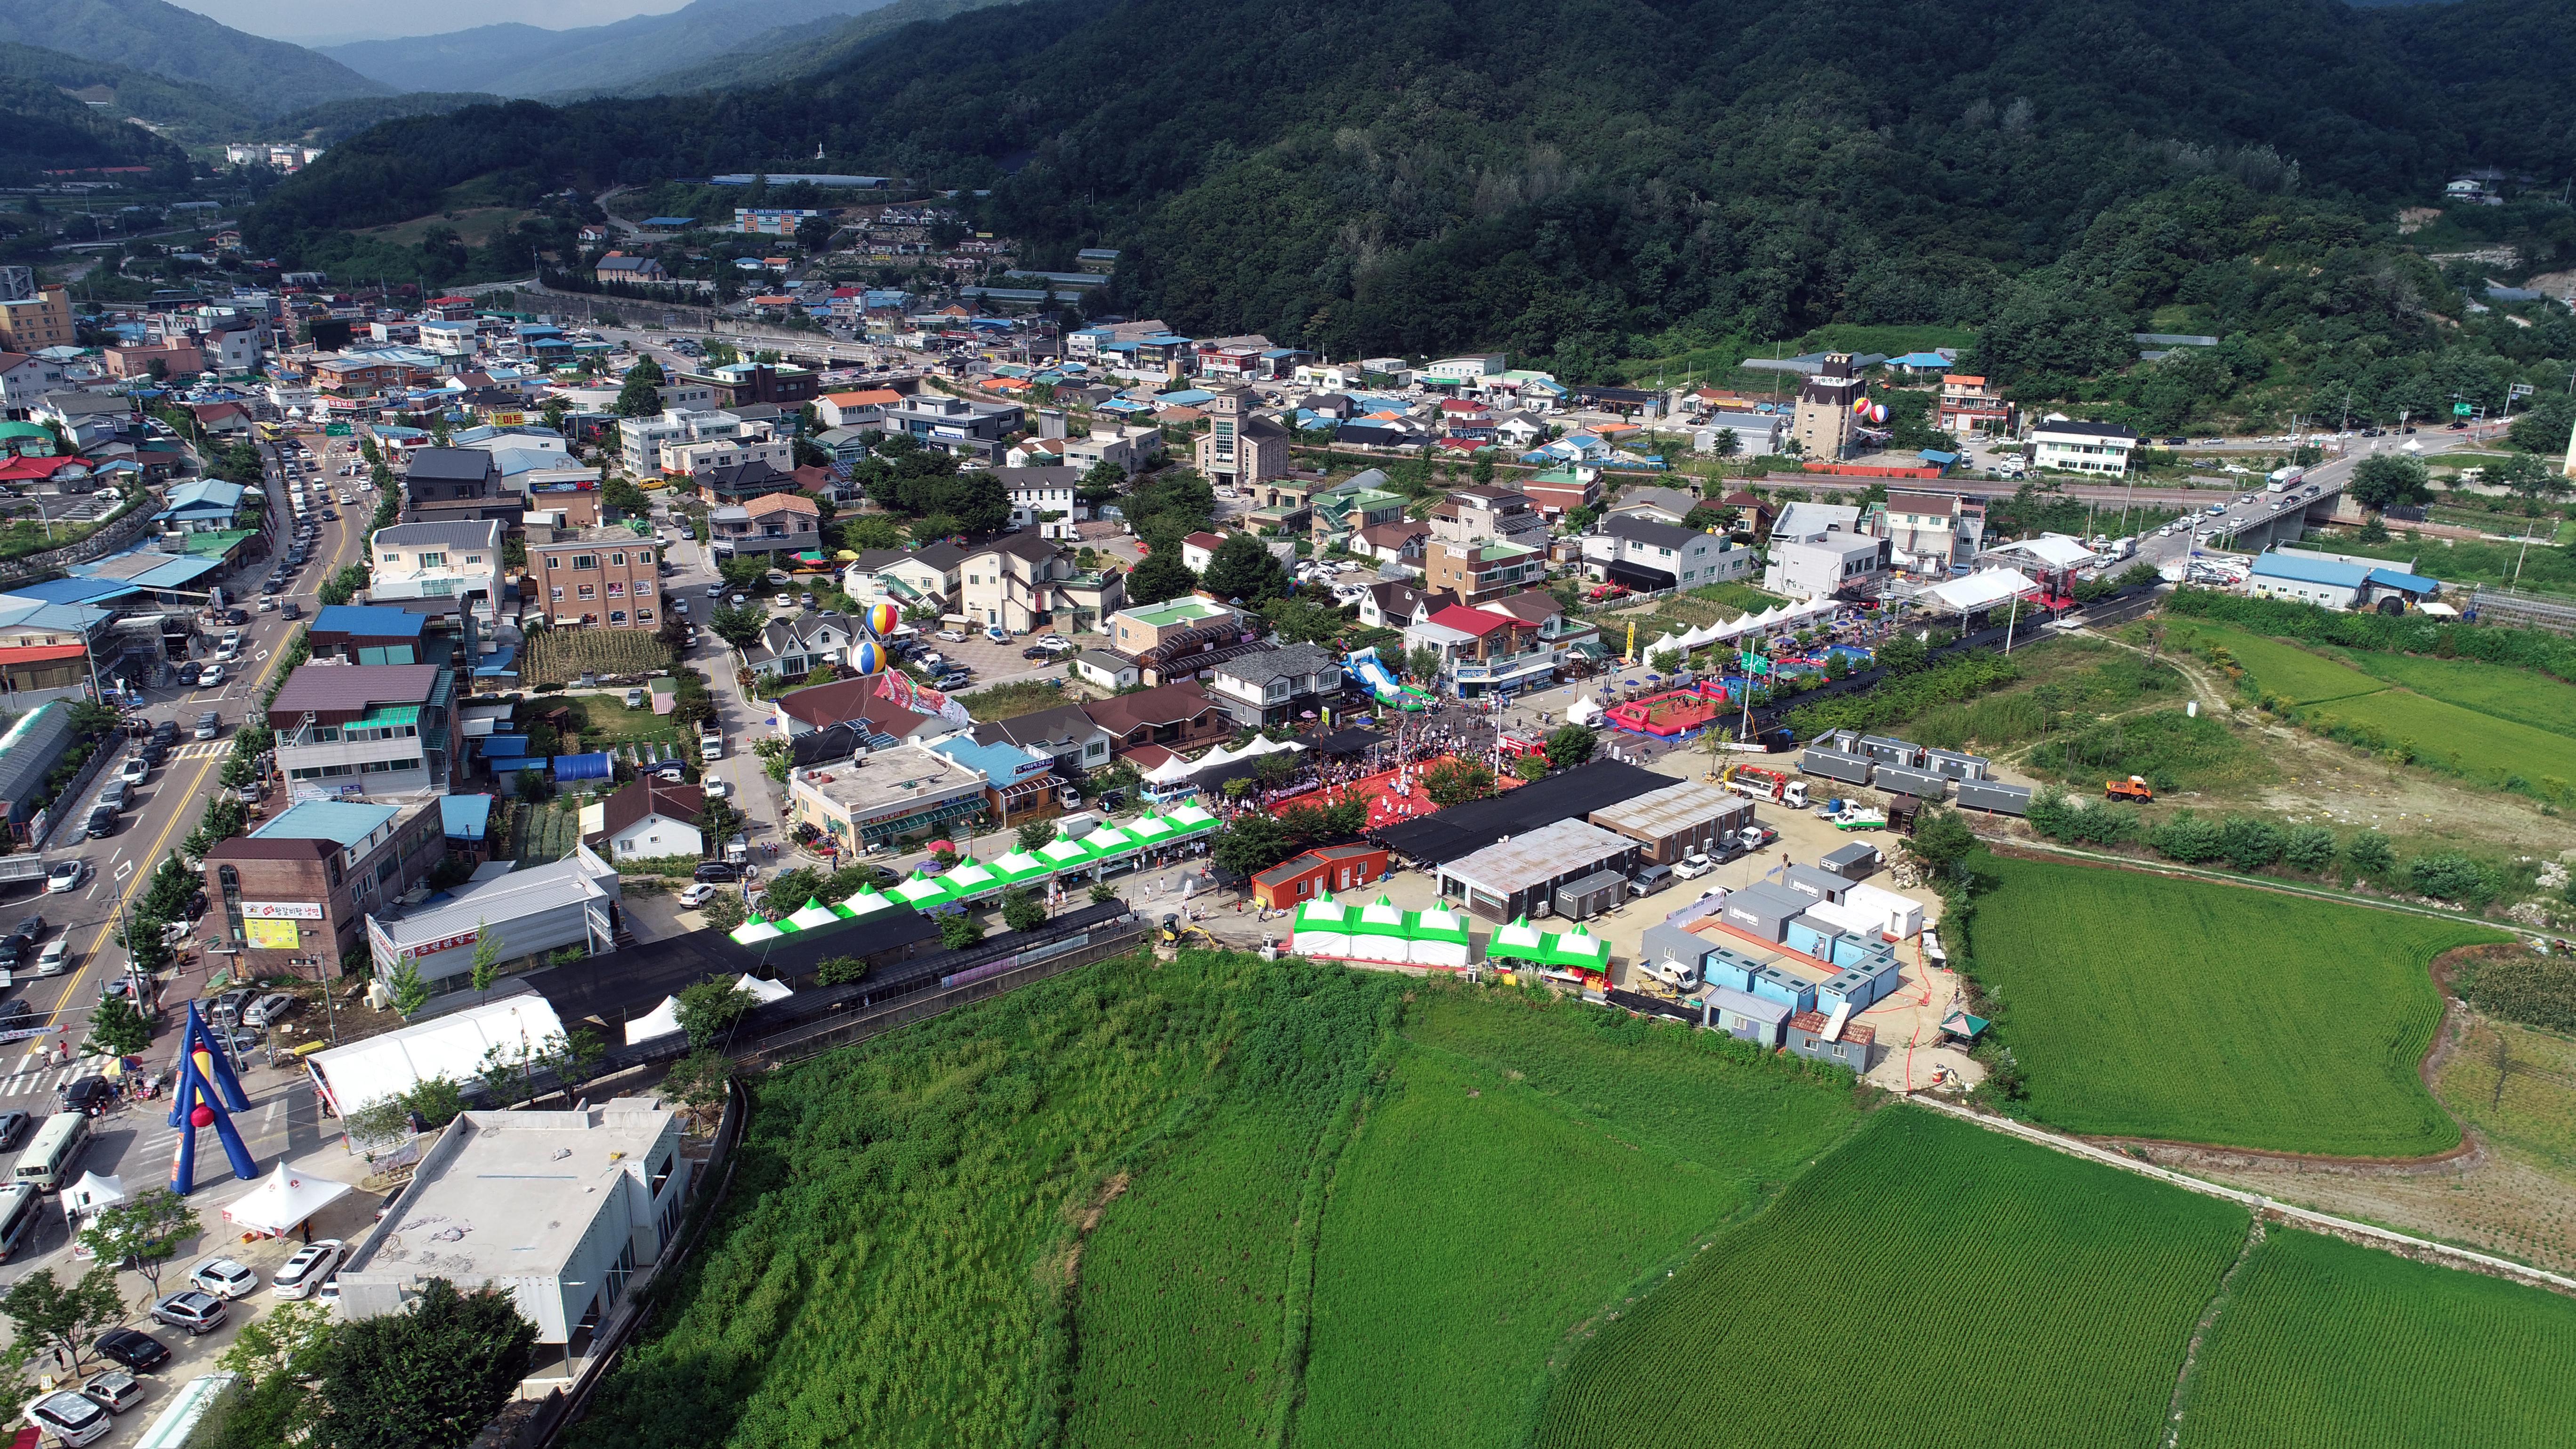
138	1351
87	1093
717	870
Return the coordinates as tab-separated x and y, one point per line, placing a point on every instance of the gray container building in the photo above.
1888	750
1763	909
1955	765
1815	885
1746	1017
1998	798
1667	942
1835	765
1587	896
1918	783
1857	861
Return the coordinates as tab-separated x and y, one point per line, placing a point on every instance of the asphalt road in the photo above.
169	804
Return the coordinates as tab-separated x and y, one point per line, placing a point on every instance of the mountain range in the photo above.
523	60
268	77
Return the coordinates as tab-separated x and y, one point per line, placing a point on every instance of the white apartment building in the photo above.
2075	447
754	445
640	440
1132	447
459	560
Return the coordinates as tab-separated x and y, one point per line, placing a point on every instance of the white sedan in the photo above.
305	1271
697	894
66	876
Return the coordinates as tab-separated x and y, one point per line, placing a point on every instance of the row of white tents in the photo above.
1784	616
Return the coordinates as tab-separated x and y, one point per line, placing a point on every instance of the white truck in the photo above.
711	745
1669	972
2283	479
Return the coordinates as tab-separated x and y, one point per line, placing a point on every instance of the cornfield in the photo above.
561	656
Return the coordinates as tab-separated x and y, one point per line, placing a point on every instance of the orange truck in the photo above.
2132	788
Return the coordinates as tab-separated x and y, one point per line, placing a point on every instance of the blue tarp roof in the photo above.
466	817
1937	458
594	766
370	620
496	747
500	663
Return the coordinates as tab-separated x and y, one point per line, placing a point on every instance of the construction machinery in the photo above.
2132	788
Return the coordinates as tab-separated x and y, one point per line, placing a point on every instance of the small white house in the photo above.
644	820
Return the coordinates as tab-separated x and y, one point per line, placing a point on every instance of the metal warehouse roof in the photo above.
366	619
1567	794
1671	810
503	899
2335	573
1552	850
346	823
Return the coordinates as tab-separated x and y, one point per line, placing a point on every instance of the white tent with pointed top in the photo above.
283	1199
93	1192
764	990
1321	928
660	1021
1584	711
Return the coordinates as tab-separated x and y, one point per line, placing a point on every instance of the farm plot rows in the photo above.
2146	1006
1929	1275
2326	1345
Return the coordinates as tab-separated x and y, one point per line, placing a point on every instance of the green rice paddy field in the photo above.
1217	1201
2146	1006
2484	720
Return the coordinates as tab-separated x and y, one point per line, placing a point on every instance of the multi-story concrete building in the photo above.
1240	446
1147	627
1469	515
1473	573
1838	563
1651	556
293	895
1933	533
640	440
1824	420
1485	650
902	793
460	560
1022	581
1273	686
363	729
738	383
599	576
773	523
33	317
1045	498
1134	448
754	443
2073	447
955	425
451	485
1970	406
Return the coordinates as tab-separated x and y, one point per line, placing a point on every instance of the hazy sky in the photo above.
326	22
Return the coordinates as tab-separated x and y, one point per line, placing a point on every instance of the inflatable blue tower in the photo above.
207	1095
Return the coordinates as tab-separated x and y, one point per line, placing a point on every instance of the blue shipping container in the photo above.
1773	984
1730	969
1810	939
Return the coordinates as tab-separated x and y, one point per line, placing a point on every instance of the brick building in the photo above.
598	576
293	895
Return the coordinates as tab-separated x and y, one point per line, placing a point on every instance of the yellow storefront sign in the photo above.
272	935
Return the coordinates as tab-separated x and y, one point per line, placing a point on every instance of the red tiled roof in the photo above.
648	796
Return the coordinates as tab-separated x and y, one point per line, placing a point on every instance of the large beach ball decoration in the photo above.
1860	407
870	657
883	618
1878	414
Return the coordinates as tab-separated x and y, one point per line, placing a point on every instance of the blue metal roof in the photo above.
998	764
69	591
346	823
2334	573
499	747
370	620
500	663
465	817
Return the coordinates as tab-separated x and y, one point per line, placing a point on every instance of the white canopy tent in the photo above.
1583	711
1783	616
1983	589
93	1192
764	990
660	1021
452	1046
283	1199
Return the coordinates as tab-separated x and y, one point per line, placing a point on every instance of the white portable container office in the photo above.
1896	915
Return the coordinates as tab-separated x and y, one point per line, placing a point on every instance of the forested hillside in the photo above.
524	60
1581	182
150	35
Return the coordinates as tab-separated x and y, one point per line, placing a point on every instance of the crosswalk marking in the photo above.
201	749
